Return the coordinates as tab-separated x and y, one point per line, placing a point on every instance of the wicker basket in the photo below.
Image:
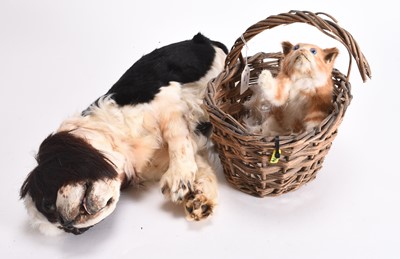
246	157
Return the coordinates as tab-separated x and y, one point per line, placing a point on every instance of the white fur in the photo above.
144	142
269	87
39	221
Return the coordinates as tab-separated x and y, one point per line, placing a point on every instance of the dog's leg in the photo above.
202	200
179	177
175	183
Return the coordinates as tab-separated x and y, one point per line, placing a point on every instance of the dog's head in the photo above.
72	188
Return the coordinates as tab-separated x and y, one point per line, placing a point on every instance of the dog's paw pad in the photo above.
198	206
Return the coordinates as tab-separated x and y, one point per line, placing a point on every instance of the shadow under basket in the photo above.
250	161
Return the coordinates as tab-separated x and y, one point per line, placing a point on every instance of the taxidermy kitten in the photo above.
299	97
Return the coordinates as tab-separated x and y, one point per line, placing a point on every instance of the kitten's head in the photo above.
307	60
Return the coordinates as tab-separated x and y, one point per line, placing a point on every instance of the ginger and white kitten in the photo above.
299	97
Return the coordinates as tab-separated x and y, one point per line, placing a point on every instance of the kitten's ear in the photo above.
330	55
286	47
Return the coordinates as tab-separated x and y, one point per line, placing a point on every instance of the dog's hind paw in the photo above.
198	206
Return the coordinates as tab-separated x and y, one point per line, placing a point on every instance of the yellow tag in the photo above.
275	159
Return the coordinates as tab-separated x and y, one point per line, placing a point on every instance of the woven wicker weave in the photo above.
245	157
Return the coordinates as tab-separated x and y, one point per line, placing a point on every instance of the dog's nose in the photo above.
65	222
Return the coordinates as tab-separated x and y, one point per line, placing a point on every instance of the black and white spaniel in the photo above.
149	126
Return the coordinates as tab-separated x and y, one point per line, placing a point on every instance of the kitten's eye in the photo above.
296	47
313	51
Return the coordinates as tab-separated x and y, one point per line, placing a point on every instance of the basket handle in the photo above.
328	27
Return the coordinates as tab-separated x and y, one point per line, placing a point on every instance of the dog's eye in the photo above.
296	47
313	51
48	207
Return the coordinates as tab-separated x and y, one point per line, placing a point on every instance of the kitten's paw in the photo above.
267	85
176	184
198	206
265	79
274	94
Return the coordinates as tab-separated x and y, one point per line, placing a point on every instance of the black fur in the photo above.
63	158
183	62
204	128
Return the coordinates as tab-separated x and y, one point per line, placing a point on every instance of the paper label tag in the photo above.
245	79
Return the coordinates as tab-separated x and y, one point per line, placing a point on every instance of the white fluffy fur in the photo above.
149	141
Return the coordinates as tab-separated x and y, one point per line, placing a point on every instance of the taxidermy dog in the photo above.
299	98
149	126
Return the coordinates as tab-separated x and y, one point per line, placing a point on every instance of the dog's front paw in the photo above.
99	195
198	206
176	184
83	204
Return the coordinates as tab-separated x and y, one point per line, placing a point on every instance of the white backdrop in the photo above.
56	57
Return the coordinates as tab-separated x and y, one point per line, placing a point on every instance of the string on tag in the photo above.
245	77
276	154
